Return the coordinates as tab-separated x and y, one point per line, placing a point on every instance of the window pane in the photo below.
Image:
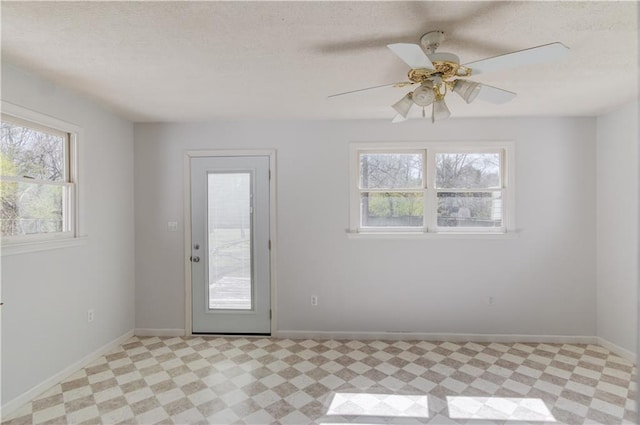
229	210
468	170
392	209
31	153
391	170
476	209
30	208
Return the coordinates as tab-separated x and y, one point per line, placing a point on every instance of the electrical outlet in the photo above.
314	300
492	300
90	316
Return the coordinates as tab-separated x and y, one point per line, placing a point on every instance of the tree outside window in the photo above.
424	187
35	187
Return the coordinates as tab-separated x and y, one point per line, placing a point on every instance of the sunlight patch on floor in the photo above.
387	405
499	408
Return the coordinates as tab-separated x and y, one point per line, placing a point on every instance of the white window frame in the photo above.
19	244
430	228
360	191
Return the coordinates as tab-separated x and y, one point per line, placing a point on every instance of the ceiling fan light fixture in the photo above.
439	111
424	95
403	106
468	90
440	72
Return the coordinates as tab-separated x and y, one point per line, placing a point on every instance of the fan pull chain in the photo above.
423	113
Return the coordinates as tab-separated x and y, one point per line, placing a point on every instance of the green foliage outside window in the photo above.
30	161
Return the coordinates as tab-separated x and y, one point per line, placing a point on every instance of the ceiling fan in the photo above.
438	73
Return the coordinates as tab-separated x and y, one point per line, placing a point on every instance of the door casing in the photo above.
271	153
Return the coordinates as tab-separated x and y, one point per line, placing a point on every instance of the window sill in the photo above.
35	246
426	235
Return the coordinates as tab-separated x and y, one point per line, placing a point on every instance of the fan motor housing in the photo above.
447	65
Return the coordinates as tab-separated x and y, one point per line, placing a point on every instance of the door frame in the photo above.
271	153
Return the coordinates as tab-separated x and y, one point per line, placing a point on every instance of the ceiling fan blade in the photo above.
494	94
529	56
400	85
412	55
359	90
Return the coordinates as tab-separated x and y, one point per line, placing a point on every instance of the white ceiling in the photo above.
187	61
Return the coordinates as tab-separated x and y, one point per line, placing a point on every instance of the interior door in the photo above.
230	247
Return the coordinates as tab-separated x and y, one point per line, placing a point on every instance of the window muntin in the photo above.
36	188
432	188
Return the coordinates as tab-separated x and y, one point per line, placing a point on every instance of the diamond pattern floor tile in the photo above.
216	380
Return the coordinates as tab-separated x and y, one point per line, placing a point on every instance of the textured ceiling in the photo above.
187	61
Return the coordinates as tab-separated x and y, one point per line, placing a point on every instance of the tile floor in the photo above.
266	380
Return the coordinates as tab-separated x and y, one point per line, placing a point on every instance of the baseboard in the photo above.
622	352
452	337
158	332
24	398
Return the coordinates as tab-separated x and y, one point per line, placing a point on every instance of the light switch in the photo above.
172	226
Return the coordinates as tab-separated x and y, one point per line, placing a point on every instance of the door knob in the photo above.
195	259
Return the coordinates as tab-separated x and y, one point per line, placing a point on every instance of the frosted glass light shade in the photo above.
424	95
468	90
403	106
440	111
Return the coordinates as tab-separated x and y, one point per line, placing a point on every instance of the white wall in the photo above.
543	281
617	229
47	294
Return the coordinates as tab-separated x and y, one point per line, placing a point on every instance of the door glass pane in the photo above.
470	209
229	217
